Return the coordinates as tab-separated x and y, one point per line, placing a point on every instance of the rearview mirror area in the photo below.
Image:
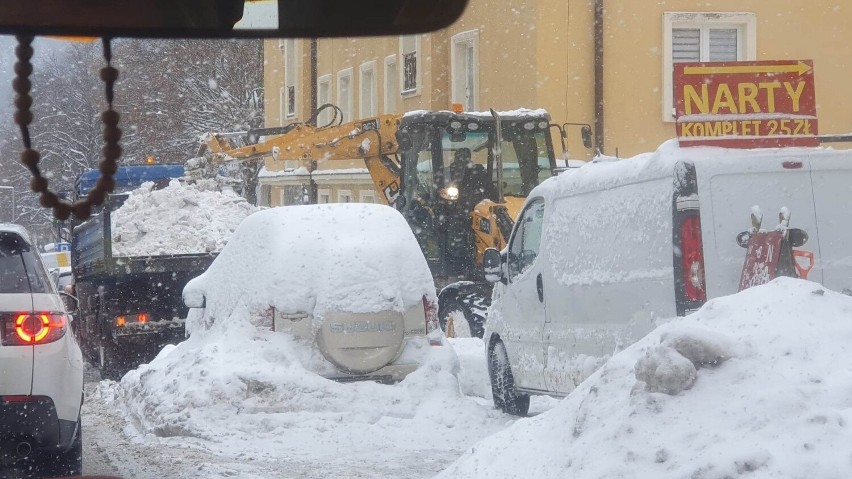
72	304
227	18
492	265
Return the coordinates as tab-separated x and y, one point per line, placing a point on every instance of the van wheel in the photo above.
506	397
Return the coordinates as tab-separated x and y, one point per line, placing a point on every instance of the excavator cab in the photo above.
449	181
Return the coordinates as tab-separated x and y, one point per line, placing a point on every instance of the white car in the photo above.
41	366
348	279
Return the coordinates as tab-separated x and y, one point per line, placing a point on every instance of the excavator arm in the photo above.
373	140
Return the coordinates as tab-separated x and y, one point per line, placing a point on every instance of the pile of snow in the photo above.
243	391
755	384
360	258
473	366
178	219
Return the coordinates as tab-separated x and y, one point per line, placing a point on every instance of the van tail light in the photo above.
430	308
693	259
24	329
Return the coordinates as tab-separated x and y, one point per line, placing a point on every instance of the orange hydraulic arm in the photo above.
372	139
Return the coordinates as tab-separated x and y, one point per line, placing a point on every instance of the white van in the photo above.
599	257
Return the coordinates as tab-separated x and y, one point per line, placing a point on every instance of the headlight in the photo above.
450	193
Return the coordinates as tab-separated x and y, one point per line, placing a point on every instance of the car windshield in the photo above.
552	239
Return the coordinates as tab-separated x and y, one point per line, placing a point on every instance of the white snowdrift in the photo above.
756	384
360	258
243	391
178	219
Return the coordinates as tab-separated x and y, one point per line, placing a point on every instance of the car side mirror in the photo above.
194	299
492	265
797	237
403	139
72	304
742	239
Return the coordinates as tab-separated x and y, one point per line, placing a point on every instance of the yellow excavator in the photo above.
460	180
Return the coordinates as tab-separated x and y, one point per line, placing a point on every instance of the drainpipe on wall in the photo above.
312	188
599	79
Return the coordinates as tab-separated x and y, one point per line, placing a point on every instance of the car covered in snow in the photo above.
348	279
41	366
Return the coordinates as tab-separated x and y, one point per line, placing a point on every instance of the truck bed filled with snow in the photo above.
755	384
178	219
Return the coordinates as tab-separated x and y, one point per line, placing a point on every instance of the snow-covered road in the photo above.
114	443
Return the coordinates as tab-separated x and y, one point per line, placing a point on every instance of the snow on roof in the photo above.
755	382
607	171
178	219
353	257
520	112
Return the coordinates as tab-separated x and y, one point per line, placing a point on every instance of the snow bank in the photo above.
360	258
178	219
244	391
753	385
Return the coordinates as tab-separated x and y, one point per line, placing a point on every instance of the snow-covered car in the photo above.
41	366
349	279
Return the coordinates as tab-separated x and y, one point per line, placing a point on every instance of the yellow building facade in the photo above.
604	63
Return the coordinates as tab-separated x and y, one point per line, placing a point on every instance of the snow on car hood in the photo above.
178	219
755	384
360	258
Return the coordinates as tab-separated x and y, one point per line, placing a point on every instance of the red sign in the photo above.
761	264
746	104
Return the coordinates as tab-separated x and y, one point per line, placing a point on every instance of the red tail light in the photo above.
33	328
431	310
693	259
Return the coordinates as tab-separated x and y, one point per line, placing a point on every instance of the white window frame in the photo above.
744	22
282	97
323	192
364	194
365	110
288	57
468	39
342	193
325	116
418	77
347	107
391	90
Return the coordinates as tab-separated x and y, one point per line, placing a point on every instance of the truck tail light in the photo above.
24	329
431	310
127	319
693	259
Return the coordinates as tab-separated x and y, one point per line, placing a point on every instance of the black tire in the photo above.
506	397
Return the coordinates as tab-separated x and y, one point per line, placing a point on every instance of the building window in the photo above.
291	69
367	196
344	93
367	98
464	59
324	97
704	37
409	51
323	196
391	83
344	196
282	97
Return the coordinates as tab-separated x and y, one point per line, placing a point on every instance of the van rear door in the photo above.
731	183
831	175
